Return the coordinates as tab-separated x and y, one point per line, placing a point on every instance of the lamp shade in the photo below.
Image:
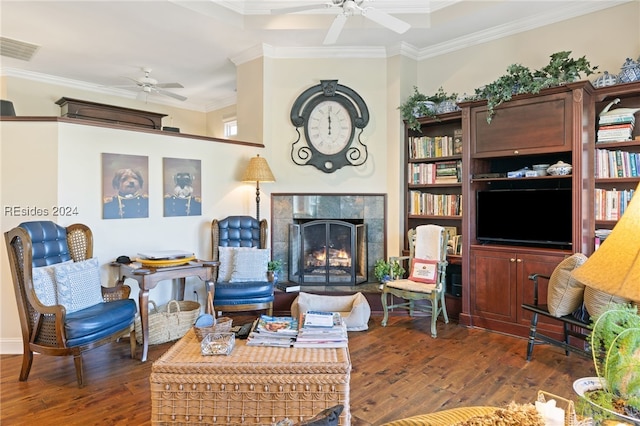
614	267
258	171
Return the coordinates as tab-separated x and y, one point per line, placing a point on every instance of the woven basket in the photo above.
221	325
169	322
570	417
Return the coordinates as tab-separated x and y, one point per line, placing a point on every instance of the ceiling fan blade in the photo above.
295	9
171	94
170	85
386	20
335	29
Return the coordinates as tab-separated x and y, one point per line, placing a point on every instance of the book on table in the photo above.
311	335
287	287
273	331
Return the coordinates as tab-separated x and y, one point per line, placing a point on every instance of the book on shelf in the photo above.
616	119
457	141
287	287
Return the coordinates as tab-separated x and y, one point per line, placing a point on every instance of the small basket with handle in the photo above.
220	325
570	417
168	322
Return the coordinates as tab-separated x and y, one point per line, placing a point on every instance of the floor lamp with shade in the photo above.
614	267
258	171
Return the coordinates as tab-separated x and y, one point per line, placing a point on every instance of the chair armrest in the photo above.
534	278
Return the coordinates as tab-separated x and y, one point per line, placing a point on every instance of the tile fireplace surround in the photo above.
370	208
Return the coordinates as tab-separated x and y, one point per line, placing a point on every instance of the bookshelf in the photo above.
616	157
433	186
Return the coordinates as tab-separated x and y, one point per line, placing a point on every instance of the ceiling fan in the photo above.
148	85
348	8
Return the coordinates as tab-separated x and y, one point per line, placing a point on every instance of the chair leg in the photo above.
532	335
444	308
434	317
27	361
77	360
566	337
385	309
132	342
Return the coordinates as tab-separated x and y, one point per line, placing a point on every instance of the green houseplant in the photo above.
274	267
561	69
615	346
421	105
385	270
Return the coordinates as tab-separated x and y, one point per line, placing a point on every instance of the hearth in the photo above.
328	251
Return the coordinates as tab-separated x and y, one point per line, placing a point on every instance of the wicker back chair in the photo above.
47	327
240	231
409	291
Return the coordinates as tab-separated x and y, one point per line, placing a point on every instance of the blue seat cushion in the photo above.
99	321
242	293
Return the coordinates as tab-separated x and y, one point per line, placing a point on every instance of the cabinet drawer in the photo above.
527	126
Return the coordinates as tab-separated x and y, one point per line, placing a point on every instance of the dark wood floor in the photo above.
398	371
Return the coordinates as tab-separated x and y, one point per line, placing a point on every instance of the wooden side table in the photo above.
149	278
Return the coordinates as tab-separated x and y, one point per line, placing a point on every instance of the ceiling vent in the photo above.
17	49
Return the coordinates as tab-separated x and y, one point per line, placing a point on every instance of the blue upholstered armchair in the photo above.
238	243
63	308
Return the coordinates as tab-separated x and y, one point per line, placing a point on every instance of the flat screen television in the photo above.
540	217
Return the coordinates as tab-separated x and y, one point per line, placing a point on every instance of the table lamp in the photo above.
614	267
258	171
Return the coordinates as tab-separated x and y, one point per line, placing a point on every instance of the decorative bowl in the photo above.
560	169
605	80
540	169
586	384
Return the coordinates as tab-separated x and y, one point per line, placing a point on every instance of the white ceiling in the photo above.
95	44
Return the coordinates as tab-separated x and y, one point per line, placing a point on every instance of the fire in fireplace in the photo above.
328	252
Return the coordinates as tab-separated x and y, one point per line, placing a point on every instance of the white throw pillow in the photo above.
44	283
226	256
250	265
79	284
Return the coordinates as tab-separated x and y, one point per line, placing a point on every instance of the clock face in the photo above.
329	128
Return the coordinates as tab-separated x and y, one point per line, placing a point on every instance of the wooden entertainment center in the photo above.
558	124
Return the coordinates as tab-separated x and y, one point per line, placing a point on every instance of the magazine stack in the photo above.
273	331
321	330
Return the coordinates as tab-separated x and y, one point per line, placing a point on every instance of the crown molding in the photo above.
96	88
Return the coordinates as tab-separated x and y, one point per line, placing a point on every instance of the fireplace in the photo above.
289	209
329	251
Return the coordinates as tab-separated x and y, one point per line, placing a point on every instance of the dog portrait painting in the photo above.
124	186
182	187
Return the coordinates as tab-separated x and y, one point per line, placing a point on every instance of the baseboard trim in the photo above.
10	346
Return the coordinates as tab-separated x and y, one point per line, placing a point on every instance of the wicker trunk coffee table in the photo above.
251	386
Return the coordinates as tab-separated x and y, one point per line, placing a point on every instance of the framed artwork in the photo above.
124	186
182	185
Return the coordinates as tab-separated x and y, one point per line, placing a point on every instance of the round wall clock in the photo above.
331	115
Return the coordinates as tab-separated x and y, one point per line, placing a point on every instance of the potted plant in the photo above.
386	270
421	105
274	267
615	346
561	69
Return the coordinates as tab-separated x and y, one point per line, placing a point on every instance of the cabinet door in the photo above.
526	126
493	289
535	264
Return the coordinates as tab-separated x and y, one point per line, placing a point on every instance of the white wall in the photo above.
47	164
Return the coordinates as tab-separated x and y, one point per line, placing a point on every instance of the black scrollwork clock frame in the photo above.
350	151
